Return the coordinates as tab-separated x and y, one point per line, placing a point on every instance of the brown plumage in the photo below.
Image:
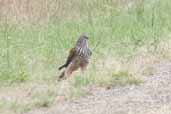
78	57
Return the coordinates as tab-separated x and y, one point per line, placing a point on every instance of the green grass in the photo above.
149	71
14	106
43	99
125	78
38	96
30	52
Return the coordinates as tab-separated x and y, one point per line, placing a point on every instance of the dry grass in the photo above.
31	11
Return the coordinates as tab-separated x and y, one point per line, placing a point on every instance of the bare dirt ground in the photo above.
151	97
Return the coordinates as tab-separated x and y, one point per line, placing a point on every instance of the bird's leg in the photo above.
68	72
84	68
70	69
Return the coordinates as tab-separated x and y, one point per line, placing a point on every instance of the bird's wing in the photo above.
72	54
89	52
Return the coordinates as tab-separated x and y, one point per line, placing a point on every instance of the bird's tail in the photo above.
62	67
61	76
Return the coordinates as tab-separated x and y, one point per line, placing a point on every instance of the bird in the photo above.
78	57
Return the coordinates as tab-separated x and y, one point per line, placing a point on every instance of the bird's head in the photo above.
82	46
82	41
